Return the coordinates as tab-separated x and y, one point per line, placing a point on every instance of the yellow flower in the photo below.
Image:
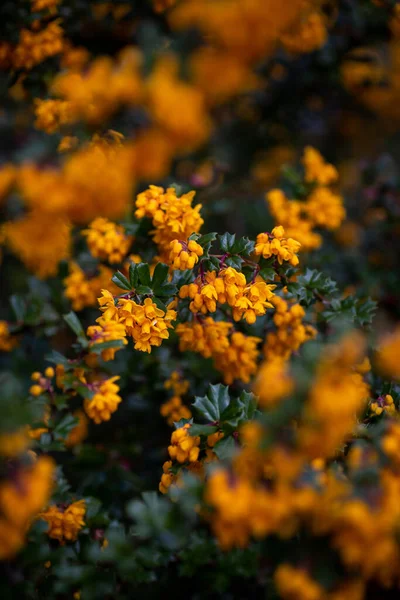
239	360
316	169
296	584
65	524
51	115
106	331
7	341
308	35
104	401
35	46
178	385
38	5
82	290
167	478
171	215
291	333
273	382
21	499
8	175
384	404
15	443
325	209
275	244
40	240
177	107
79	432
174	410
184	255
205	337
386	356
102	88
107	241
184	447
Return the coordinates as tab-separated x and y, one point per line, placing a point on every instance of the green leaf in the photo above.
267	274
182	422
226	241
19	307
93	506
202	430
249	401
63	428
144	289
130	228
143	270
233	413
225	448
211	406
121	281
133	275
97	348
160	304
243	246
234	261
57	358
167	290
84	391
208	237
160	275
74	323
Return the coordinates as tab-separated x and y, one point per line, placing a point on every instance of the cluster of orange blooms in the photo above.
145	323
228	286
172	216
234	353
96	180
322	208
83	291
64	523
21	499
173	409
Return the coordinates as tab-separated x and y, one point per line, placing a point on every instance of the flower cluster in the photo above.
34	46
173	409
171	215
7	340
107	331
290	332
273	382
234	354
65	523
383	404
275	244
184	255
145	323
103	400
184	447
321	208
82	290
21	499
228	286
107	241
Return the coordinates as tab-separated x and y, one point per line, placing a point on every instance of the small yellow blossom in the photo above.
7	341
65	524
107	241
275	244
184	447
104	401
173	410
184	255
383	404
106	331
